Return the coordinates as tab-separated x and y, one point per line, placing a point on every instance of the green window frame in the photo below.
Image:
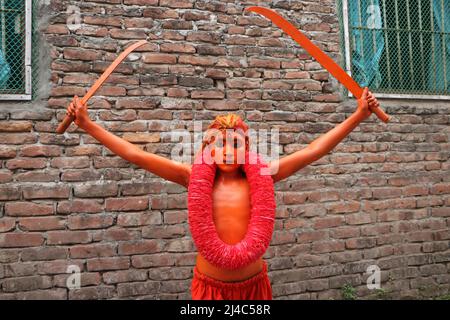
398	48
17	49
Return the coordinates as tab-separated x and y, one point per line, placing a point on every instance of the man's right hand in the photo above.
79	111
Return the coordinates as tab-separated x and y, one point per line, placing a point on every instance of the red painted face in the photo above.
228	150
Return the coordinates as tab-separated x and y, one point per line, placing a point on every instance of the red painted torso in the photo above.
231	215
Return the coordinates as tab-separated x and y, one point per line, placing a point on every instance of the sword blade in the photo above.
321	57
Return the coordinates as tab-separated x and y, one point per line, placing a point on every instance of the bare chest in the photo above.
231	210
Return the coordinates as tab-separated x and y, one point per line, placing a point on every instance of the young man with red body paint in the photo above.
231	199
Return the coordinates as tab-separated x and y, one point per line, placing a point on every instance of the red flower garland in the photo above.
260	228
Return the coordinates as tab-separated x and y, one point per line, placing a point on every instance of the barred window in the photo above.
16	49
398	48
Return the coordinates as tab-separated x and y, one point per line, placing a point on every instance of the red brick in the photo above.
137	288
420	236
127	34
202	36
49	192
141	2
328	222
93	293
7	224
440	212
9	193
41	223
82	54
68	237
103	264
440	188
26	283
159	58
57	29
177	47
15	126
216	74
358	218
96	190
343	207
19	269
70	162
18	209
17	240
243	83
176	25
385	193
196	61
207	94
345	232
80	222
92	250
7	152
18	138
103	21
140	247
186	245
323	196
134	219
58	266
177	93
153	115
294	198
84	150
182	4
127	115
328	246
87	279
264	63
114	277
141	137
43	253
79	206
36	151
6	176
26	163
10	256
116	234
161	232
127	204
359	243
112	91
160	13
153	260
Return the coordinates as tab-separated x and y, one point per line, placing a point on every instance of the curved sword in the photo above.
68	119
318	54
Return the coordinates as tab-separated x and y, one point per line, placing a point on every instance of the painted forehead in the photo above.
231	134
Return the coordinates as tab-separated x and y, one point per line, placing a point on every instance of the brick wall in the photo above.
382	197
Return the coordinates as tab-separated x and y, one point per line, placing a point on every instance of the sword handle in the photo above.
357	92
383	116
65	124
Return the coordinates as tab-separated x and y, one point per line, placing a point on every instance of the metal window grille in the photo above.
398	48
17	46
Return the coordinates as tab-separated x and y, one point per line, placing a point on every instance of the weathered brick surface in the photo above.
381	197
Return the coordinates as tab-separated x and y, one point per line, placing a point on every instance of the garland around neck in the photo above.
201	224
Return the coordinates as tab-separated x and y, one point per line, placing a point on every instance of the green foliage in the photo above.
348	292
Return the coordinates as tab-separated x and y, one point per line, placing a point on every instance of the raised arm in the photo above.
290	164
165	168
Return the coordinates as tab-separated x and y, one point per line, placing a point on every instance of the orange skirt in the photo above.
255	288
